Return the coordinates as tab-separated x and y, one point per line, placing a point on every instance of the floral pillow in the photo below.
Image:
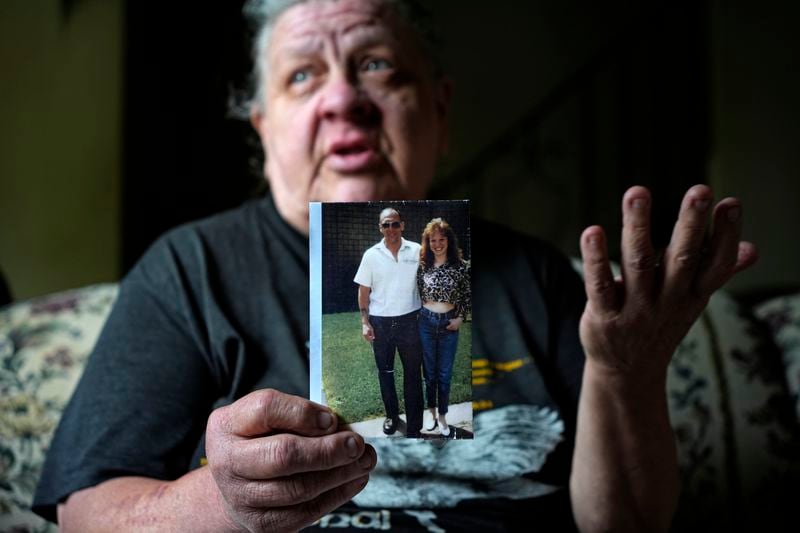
782	315
44	344
738	441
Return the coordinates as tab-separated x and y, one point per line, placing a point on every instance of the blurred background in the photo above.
114	127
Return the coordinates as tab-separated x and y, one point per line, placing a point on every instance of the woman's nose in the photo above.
344	99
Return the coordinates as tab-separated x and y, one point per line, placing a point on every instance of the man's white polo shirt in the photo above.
393	282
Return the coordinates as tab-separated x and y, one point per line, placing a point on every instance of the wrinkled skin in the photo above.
280	463
632	326
352	110
624	470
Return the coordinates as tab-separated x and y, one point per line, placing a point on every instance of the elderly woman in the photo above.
201	423
443	279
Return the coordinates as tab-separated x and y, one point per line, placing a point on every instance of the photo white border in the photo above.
315	290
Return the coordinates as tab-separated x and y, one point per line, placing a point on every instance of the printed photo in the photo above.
391	317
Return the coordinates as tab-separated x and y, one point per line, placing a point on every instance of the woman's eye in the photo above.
300	76
376	64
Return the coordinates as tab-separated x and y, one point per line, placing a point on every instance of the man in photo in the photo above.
389	302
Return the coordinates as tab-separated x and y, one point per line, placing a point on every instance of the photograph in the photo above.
391	313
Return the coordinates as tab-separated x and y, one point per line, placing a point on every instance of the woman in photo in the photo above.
443	280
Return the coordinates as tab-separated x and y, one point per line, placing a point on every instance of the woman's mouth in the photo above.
352	157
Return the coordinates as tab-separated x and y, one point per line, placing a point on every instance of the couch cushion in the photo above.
44	343
782	315
738	442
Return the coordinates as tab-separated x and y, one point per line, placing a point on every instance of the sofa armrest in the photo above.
44	344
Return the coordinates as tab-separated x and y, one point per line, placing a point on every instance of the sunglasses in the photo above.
394	225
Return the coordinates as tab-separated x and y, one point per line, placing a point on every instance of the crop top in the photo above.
447	283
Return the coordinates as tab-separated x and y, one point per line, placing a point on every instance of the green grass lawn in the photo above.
349	376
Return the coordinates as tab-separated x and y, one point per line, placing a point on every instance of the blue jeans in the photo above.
438	355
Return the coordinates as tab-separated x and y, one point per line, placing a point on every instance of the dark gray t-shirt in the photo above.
218	308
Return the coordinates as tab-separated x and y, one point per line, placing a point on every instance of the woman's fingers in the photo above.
268	410
600	286
297	516
287	454
684	254
453	324
746	257
638	256
305	486
275	457
638	321
720	264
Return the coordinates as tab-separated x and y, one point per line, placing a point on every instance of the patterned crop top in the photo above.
447	283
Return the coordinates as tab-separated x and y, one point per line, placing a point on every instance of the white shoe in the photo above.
429	422
445	430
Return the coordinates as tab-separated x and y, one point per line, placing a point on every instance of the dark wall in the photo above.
184	158
586	103
348	230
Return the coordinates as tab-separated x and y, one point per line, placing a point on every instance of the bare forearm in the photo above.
624	473
363	303
191	503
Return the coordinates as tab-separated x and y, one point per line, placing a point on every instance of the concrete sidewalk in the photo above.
459	418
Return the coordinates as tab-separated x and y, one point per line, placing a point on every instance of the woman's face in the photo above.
438	244
352	109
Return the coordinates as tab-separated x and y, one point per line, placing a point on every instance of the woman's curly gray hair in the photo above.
262	14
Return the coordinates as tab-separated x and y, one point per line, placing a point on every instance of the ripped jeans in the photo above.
399	333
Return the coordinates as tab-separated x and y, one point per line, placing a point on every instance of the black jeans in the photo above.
399	333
